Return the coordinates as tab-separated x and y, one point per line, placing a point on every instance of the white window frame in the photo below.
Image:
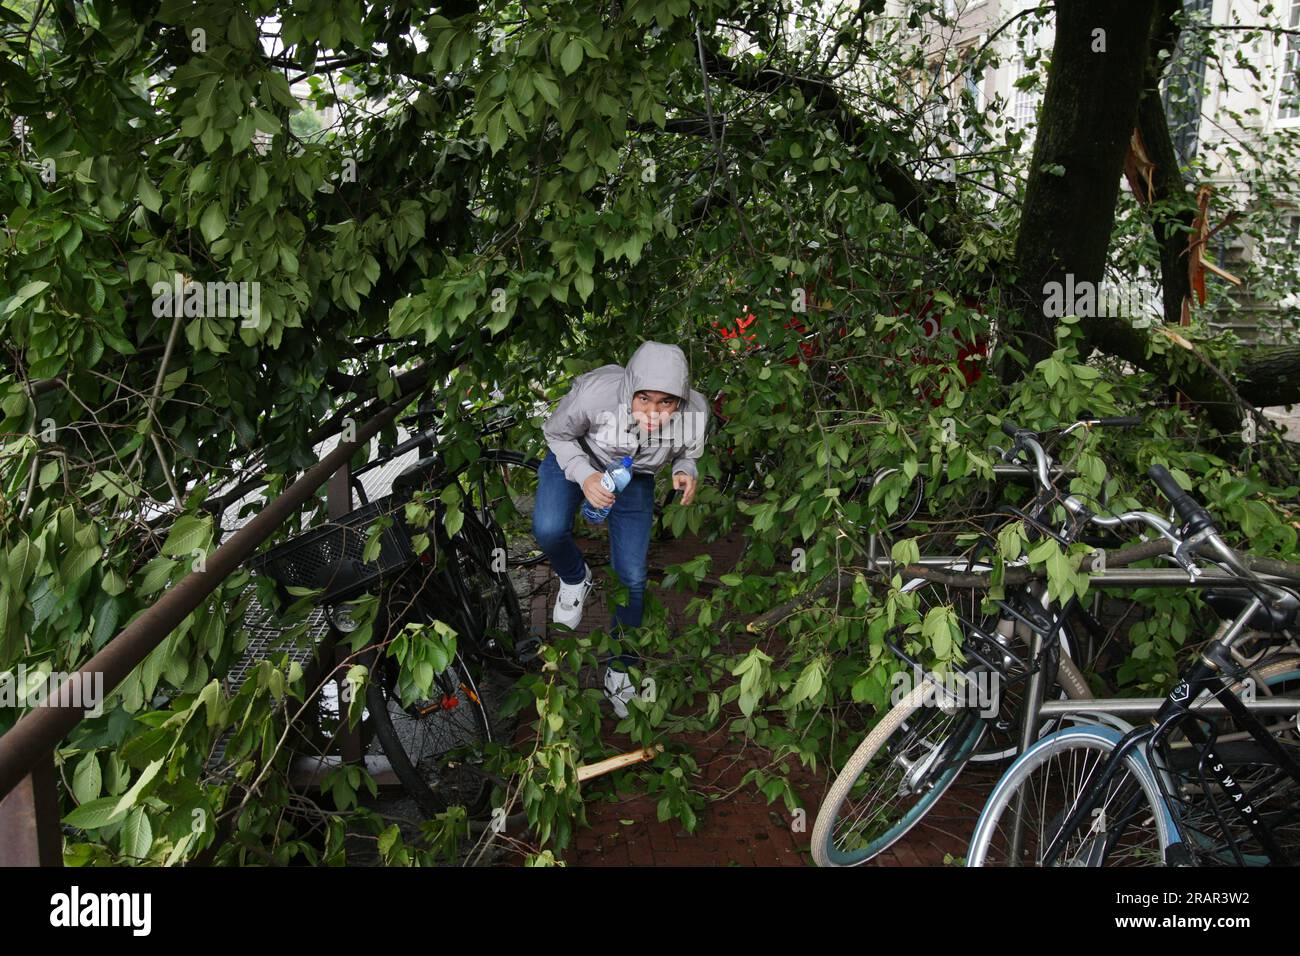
1289	47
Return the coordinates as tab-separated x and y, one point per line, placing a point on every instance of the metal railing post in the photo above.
29	820
339	502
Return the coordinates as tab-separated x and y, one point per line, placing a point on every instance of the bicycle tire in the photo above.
511	510
1271	791
1137	784
825	851
420	767
488	603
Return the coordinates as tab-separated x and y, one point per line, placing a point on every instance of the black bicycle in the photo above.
433	549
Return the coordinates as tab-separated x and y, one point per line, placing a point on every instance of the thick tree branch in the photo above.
913	199
1173	211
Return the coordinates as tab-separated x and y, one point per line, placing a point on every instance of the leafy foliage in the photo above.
510	182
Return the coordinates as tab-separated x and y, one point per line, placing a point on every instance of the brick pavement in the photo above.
740	828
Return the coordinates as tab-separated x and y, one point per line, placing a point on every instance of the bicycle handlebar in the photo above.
1199	533
1194	516
1198	536
1012	430
401	448
1025	439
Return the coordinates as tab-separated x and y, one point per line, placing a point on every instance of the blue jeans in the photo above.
630	521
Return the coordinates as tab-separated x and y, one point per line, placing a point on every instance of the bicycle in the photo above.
914	754
434	738
1093	796
911	758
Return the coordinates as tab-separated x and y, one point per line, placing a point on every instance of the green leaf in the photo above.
147	194
25	293
95	814
571	58
1011	540
78	562
453	519
936	629
548	88
1044	551
87	780
280	92
133	795
584	284
496	131
809	683
189	533
388	839
213	222
137	834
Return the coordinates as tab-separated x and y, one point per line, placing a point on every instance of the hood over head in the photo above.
656	367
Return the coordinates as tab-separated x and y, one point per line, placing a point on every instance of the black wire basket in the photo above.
330	558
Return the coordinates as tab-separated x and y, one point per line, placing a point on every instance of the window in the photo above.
1183	90
955	8
1288	101
973	86
1024	103
936	105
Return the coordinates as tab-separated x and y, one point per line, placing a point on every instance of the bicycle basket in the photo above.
330	558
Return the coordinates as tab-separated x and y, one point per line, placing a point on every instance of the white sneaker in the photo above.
568	606
619	689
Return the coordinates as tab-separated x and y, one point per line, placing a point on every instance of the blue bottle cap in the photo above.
627	461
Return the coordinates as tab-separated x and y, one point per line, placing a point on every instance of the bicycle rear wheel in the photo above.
901	768
503	498
1214	832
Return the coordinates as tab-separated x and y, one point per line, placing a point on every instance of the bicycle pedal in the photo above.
529	649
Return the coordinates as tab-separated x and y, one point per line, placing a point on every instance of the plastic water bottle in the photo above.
615	479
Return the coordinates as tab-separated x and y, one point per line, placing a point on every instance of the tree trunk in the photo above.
1268	375
1089	112
1173	212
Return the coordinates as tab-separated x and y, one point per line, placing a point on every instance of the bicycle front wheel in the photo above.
436	745
896	775
489	604
1024	818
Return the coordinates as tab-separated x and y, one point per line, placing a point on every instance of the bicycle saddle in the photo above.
418	475
1227	603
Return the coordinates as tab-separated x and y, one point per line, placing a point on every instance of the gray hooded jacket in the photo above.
598	410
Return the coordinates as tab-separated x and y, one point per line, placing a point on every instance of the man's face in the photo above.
652	409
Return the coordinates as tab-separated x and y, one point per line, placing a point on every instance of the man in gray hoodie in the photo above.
646	411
